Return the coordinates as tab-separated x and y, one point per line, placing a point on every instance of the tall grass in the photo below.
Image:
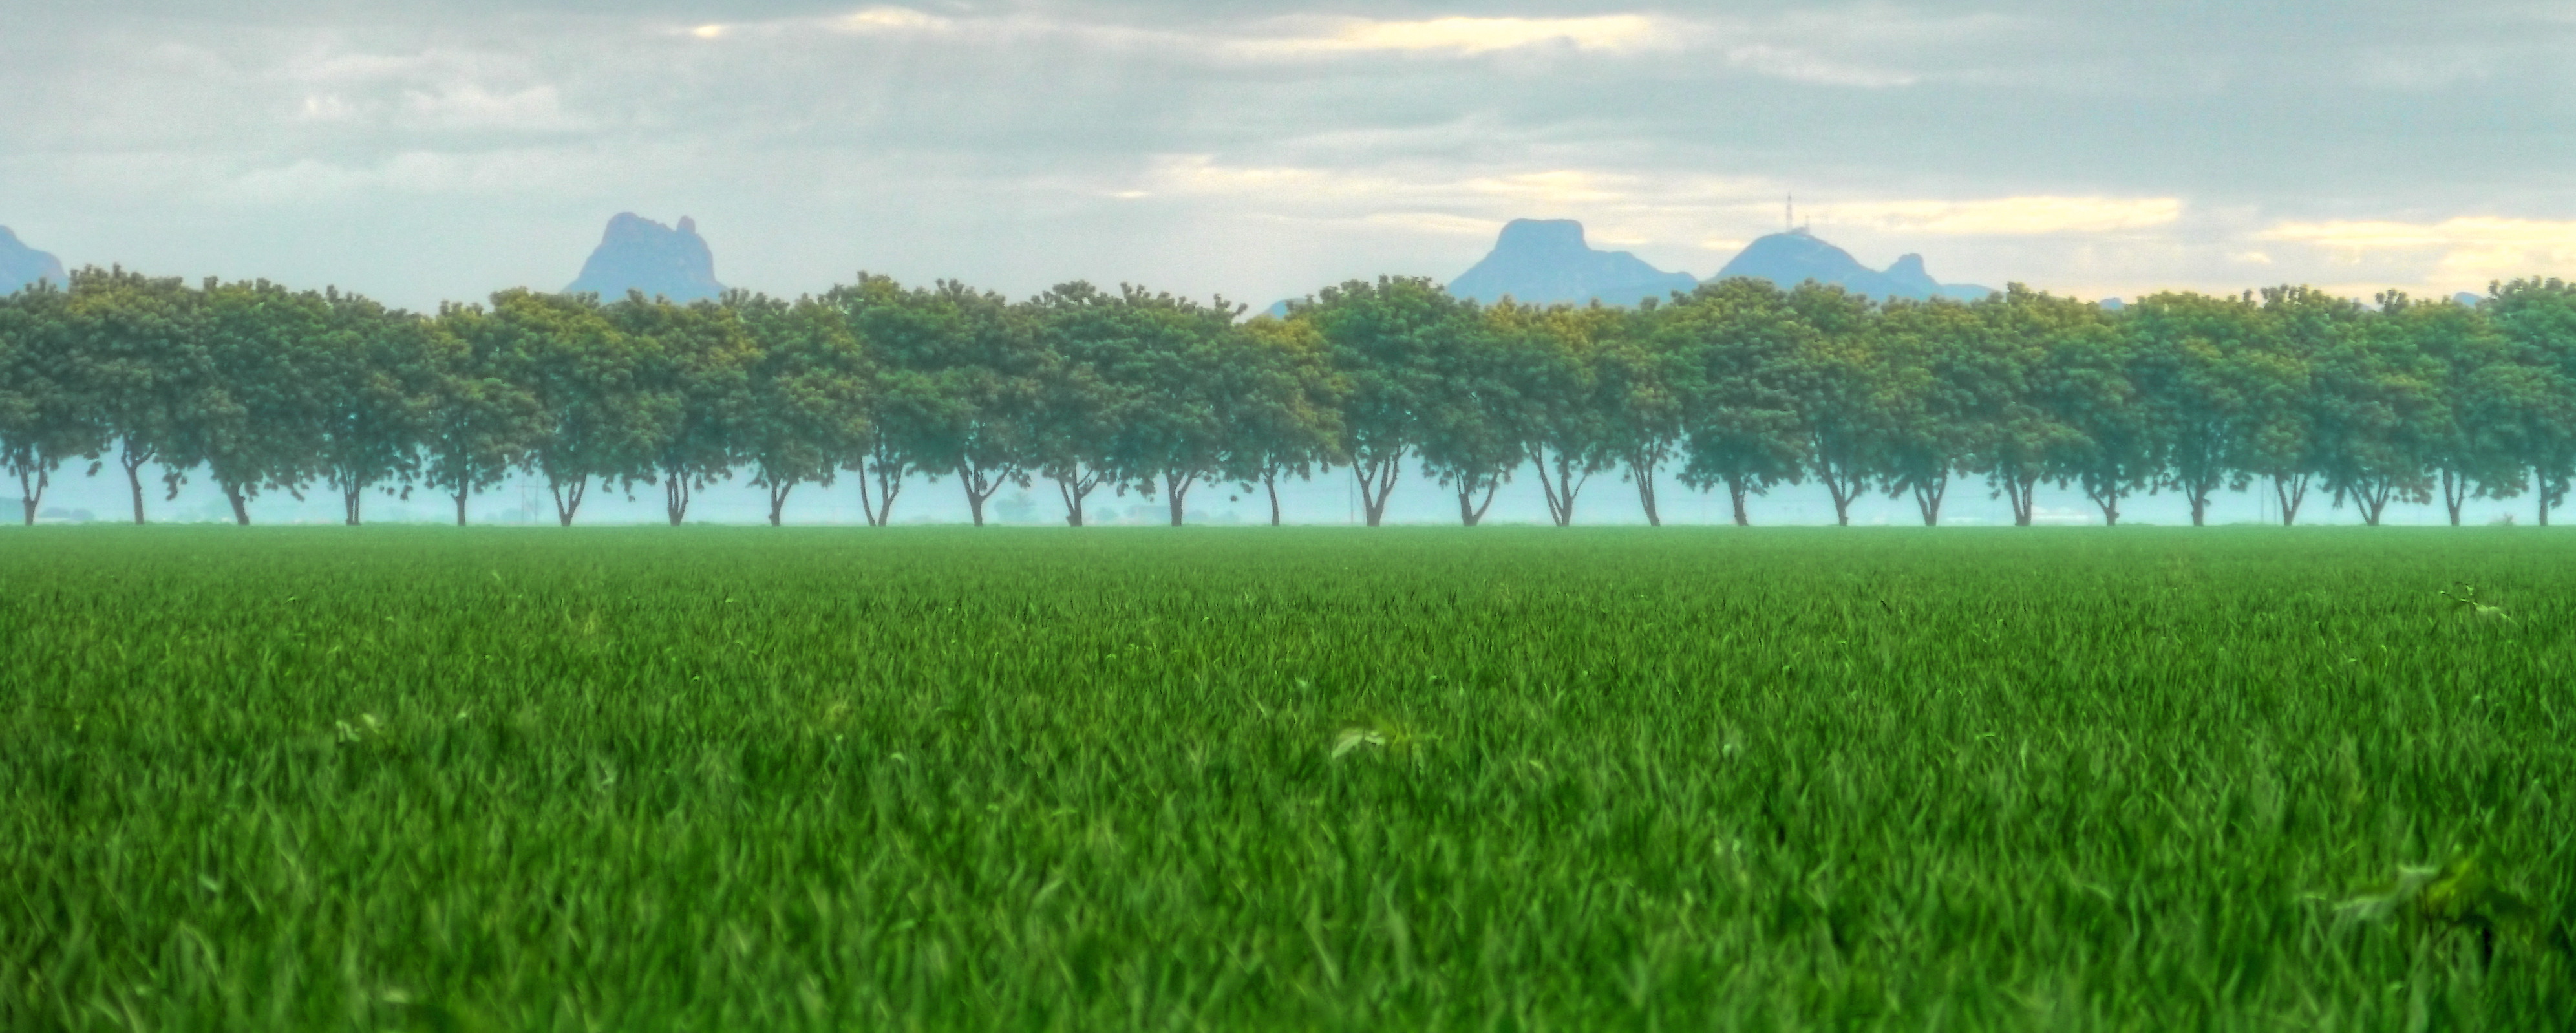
1507	779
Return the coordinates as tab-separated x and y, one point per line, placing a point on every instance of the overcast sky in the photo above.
423	151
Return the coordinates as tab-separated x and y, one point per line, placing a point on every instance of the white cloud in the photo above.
1438	222
888	19
2012	216
2464	249
1468	35
472	106
1803	66
1789	48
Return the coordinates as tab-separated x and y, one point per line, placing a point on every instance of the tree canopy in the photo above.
1737	385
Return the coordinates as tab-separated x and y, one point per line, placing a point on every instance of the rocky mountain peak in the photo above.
1797	256
636	253
21	265
1547	261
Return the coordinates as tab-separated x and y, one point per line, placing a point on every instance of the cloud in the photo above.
2463	249
1792	48
1463	35
1802	66
2012	216
1439	222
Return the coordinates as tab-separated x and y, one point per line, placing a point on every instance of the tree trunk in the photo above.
1842	501
32	492
1927	499
2022	494
568	497
1469	513
133	462
1643	472
1560	489
2291	491
1270	483
2199	509
241	505
2373	501
1377	481
778	500
2109	500
675	497
1735	491
460	506
880	509
349	501
1073	491
978	489
1178	486
2454	495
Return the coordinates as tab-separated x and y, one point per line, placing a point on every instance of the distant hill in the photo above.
1546	262
1795	257
637	253
21	265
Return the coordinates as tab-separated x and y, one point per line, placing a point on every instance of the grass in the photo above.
1501	779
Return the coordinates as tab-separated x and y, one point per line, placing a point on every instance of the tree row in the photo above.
1738	386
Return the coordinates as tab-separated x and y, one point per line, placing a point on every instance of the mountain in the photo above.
21	265
1789	259
639	254
1546	262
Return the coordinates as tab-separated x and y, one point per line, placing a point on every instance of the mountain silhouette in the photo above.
1795	257
1546	262
642	255
21	265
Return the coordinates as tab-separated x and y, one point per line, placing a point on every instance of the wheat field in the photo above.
1211	779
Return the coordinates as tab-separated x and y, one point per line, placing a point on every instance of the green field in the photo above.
1493	779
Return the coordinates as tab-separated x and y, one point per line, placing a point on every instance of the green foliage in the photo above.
714	778
1738	384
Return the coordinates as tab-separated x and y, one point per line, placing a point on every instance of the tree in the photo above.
2473	439
2112	447
1735	347
261	427
1637	381
961	384
1552	364
381	386
46	413
1842	390
1286	420
1386	340
809	396
2022	433
603	418
140	356
903	400
1937	386
1080	409
483	423
701	355
1475	421
1160	371
2538	317
2191	355
2378	410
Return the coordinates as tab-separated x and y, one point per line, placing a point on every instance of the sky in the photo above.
427	151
